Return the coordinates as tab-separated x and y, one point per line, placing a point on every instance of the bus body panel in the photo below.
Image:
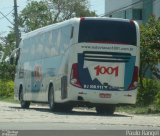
42	59
103	97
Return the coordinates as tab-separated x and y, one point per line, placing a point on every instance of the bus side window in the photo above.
72	30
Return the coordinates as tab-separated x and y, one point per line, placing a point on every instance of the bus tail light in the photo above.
132	22
82	18
74	76
134	82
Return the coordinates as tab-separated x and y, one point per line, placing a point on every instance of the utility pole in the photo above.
16	24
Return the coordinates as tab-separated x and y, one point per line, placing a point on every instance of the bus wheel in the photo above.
105	109
24	104
52	104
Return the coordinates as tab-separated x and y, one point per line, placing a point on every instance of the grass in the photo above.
139	109
8	99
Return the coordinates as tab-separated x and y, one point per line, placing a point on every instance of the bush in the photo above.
157	101
6	88
7	71
148	94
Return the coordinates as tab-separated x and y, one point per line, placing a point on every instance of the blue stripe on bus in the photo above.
129	68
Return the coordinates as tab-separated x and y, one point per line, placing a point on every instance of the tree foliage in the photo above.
65	9
150	47
35	15
150	57
7	44
7	73
39	14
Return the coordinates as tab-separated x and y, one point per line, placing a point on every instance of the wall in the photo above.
123	8
156	8
111	5
147	9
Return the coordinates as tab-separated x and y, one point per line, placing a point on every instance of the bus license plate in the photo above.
104	95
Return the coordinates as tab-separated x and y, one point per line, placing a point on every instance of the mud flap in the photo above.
64	87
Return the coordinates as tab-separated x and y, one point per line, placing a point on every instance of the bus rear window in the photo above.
107	31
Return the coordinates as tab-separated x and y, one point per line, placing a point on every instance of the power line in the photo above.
4	8
6	17
7	14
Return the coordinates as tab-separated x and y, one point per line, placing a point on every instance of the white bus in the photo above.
82	61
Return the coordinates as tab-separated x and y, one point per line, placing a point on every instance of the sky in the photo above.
6	7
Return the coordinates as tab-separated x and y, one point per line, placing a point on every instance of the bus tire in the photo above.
105	109
24	104
51	102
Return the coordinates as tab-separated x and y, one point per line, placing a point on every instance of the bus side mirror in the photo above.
17	58
14	57
17	55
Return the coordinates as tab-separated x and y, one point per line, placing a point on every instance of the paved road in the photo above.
12	117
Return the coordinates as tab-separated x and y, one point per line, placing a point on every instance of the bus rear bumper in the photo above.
103	97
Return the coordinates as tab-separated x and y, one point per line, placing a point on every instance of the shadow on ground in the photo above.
75	111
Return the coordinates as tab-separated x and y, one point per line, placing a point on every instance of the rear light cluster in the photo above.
134	82
74	76
132	22
82	18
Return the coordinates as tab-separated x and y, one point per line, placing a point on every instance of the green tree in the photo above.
39	14
35	15
150	47
66	9
7	44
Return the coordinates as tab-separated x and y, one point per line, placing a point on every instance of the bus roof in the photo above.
67	22
46	29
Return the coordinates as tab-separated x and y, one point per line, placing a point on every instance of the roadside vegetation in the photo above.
148	98
39	14
7	73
